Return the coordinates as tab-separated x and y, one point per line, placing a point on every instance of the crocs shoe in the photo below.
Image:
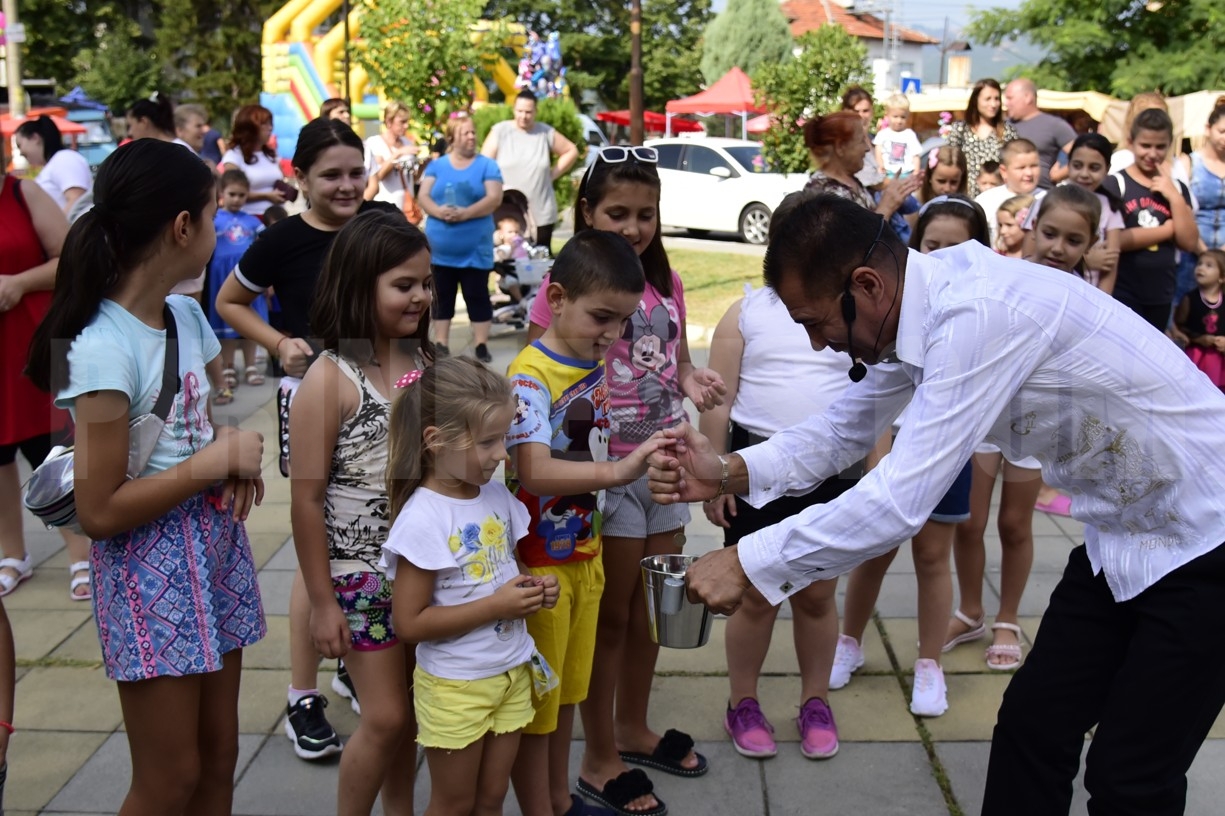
929	697
751	733
818	733
847	660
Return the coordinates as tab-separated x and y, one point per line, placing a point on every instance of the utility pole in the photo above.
345	12
636	102
14	37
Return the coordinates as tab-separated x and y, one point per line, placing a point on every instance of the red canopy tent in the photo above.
731	94
651	121
8	125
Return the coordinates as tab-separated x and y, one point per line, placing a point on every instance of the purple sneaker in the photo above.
751	733
818	734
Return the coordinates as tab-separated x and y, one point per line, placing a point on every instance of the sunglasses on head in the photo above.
616	154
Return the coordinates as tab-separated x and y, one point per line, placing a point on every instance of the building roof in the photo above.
809	15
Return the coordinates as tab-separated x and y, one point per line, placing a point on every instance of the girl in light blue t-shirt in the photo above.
175	593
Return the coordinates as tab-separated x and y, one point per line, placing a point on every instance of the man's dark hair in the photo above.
597	261
822	239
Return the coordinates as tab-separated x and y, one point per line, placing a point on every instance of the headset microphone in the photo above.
858	370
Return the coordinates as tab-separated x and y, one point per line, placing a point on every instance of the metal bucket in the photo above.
674	621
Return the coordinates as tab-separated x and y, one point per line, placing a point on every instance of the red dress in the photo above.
25	411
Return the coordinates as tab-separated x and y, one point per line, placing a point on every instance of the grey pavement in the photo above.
70	753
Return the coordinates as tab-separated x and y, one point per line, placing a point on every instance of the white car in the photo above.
723	185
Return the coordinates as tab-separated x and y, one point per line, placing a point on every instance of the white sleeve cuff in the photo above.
762	560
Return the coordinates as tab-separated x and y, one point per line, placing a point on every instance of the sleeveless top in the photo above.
777	364
355	506
1209	189
25	412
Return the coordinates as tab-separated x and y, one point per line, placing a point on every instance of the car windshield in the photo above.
96	132
749	157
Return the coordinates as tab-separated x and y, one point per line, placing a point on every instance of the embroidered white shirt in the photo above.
1037	362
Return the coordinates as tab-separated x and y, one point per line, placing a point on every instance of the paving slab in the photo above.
83	644
277	783
273	651
974	700
61	698
882	779
285	558
45	629
102	782
274	586
266	545
43	762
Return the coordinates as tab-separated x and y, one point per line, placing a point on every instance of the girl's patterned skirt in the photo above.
173	596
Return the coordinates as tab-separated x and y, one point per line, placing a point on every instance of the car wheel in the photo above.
755	224
698	233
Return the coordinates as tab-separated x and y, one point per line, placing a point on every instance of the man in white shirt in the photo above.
1036	362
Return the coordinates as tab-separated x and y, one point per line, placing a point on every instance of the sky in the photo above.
929	15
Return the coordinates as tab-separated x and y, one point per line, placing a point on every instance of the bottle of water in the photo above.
449	197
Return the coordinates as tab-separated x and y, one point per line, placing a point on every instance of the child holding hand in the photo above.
460	594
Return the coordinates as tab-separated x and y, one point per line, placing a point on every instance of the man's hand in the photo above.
686	470
718	581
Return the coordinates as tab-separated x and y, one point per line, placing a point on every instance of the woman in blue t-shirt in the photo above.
459	193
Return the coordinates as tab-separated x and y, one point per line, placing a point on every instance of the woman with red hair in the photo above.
838	144
251	153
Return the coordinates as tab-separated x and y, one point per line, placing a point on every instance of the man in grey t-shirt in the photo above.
1051	134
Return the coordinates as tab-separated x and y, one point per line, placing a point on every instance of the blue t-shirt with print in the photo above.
468	244
119	352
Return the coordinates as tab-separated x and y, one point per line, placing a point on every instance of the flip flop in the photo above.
1005	649
977	629
1061	505
668	755
619	792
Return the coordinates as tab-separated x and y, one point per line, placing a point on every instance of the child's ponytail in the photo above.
140	188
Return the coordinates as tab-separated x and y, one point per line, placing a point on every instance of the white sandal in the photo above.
79	581
975	630
21	566
1012	650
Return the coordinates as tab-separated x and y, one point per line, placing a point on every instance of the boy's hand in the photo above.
330	631
551	590
518	598
635	464
705	388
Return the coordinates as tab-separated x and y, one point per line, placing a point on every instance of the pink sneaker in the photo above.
818	733
751	733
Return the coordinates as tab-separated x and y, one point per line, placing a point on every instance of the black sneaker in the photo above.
441	350
482	353
313	737
342	684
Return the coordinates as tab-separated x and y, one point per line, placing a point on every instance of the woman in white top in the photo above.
766	359
524	150
255	158
63	173
390	159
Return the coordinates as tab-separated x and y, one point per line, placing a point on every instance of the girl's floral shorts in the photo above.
365	598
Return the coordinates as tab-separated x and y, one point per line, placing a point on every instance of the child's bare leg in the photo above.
303	656
366	762
494	779
931	548
815	628
218	739
862	590
451	776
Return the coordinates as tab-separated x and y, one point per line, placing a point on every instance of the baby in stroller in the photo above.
520	265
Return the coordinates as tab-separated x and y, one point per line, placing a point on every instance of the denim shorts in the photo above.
955	506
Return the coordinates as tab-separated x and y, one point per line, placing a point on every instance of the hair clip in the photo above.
1022	215
409	378
933	158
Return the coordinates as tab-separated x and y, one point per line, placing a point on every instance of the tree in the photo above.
809	85
119	69
1119	47
747	33
419	51
595	43
210	51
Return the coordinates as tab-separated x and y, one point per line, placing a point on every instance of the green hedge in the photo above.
563	116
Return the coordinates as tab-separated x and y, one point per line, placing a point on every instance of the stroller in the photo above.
520	268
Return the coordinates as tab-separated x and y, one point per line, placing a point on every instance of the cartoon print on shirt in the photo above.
566	521
648	336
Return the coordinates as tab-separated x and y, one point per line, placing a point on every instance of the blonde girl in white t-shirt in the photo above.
460	593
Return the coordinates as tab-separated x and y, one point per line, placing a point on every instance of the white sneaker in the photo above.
847	660
930	695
